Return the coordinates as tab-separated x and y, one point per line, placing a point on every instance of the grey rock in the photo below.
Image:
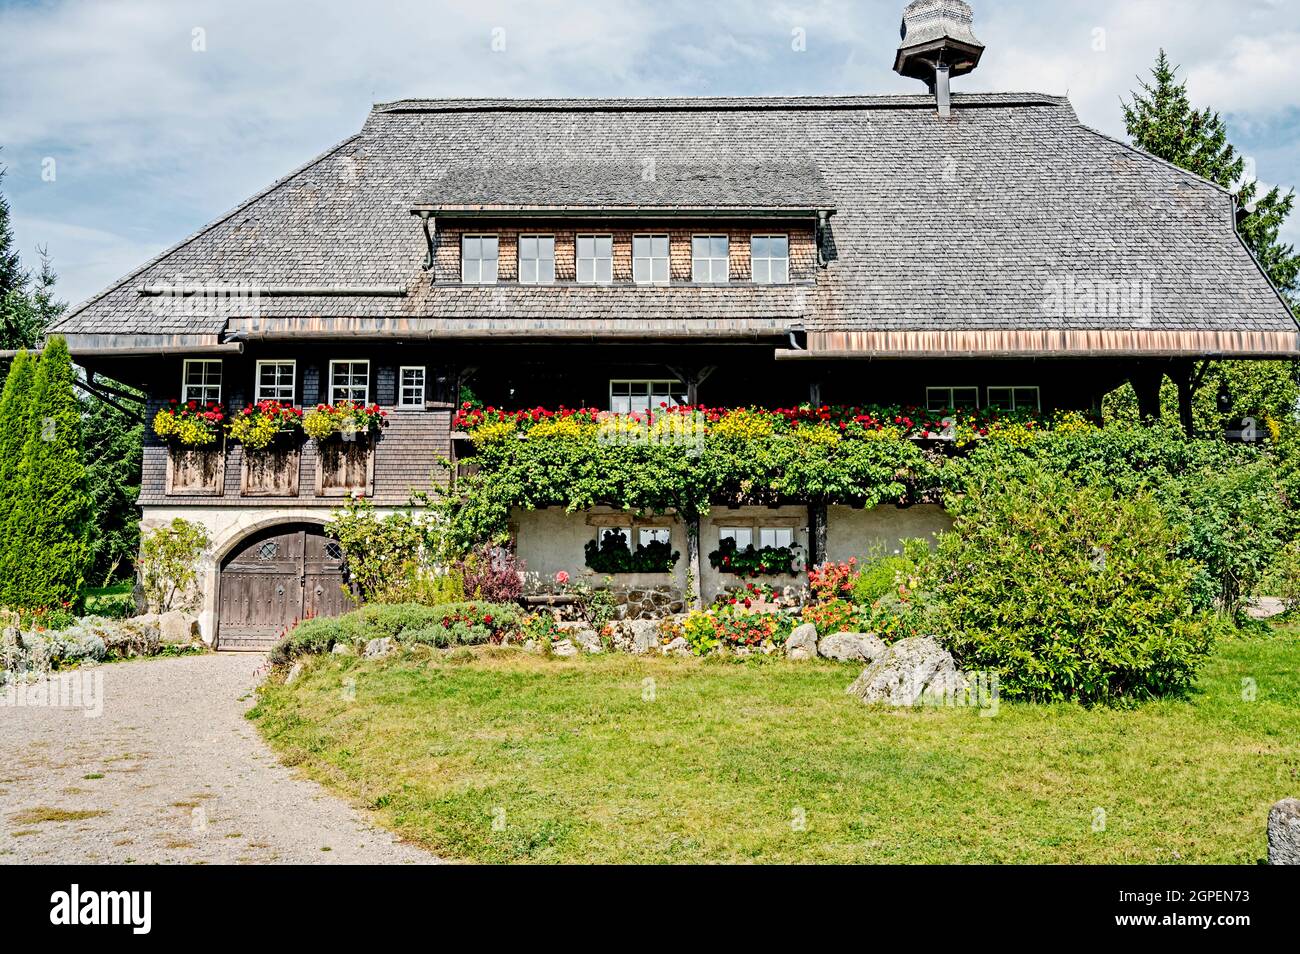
586	638
294	672
678	647
851	647
176	628
645	635
1284	832
530	646
379	648
341	649
802	642
900	675
563	647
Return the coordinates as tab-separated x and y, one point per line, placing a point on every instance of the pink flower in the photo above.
562	577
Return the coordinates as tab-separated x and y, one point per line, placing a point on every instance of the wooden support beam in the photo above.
816	533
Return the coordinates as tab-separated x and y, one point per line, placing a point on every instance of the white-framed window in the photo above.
595	259
710	257
650	259
775	537
478	259
946	399
744	536
536	259
637	397
649	535
1016	398
275	381
769	257
349	381
201	380
410	386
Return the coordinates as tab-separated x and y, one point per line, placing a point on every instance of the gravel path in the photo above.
170	772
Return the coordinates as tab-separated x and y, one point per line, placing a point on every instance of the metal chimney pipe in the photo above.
941	94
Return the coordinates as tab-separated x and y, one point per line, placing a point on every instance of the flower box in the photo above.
196	471
271	471
345	466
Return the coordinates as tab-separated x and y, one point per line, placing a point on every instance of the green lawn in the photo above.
114	601
508	757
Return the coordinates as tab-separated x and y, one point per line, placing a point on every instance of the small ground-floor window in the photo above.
945	399
1014	398
637	397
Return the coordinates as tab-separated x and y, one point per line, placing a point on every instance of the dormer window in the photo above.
710	256
536	259
769	257
650	259
595	259
478	259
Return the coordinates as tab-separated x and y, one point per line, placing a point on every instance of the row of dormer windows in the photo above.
651	262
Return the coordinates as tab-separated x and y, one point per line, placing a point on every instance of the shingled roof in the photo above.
1009	222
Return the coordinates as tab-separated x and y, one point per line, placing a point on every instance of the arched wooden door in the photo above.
275	578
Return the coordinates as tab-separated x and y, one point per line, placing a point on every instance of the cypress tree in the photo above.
55	521
15	425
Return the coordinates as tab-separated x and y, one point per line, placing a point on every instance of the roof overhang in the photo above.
1047	343
644	212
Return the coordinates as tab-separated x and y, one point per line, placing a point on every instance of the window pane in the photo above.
779	246
718	246
528	270
489	246
700	246
604	246
641	271
620	404
546	270
758	246
762	271
649	535
604	270
719	270
586	269
965	397
999	397
641	245
586	248
527	246
659	245
775	537
660	270
780	270
700	270
620	387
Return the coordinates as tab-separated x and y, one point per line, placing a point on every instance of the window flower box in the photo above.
751	561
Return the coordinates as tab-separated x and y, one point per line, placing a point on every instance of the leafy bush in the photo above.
470	624
384	554
168	564
834	616
1067	592
491	572
444	625
612	554
706	630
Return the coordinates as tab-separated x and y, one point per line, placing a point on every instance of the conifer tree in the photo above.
55	522
15	426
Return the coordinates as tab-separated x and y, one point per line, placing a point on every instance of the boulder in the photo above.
678	646
294	672
379	648
1284	832
851	647
802	642
341	649
586	638
901	674
645	635
176	628
563	647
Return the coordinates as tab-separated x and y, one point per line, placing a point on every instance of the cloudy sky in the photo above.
127	124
